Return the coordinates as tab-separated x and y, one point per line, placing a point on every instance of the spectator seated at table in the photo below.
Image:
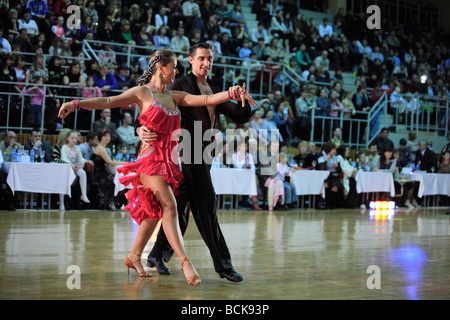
374	155
348	177
56	152
283	173
9	143
388	162
242	159
444	167
71	154
39	146
363	162
425	157
333	184
405	156
304	159
6	195
87	148
102	191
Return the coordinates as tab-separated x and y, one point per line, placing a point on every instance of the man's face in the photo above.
94	142
127	118
201	62
384	134
105	113
10	138
422	146
35	136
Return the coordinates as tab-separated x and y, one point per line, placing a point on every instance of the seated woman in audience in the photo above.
283	171
348	177
102	178
70	153
388	162
444	167
242	159
333	184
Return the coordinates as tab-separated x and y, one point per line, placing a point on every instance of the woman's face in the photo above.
447	156
388	154
169	71
103	71
106	138
269	115
303	149
76	69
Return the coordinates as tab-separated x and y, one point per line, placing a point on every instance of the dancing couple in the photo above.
157	177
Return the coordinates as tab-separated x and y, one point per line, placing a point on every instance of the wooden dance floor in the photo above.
290	255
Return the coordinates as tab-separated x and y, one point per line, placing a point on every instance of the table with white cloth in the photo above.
233	181
226	181
431	184
374	182
309	183
45	178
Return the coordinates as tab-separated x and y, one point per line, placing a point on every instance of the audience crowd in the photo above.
399	60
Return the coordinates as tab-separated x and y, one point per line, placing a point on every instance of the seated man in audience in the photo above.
9	143
105	123
383	141
374	156
425	157
88	147
126	132
39	146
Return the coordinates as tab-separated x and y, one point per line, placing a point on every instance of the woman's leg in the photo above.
166	199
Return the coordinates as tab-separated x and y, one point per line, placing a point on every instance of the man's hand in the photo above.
146	135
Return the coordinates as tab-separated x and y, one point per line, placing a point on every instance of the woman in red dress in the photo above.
157	172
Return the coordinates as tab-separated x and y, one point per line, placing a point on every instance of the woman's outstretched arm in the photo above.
133	95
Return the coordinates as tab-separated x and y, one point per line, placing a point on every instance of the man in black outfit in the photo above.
196	189
426	157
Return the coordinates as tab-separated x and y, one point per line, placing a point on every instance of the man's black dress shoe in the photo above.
158	263
231	275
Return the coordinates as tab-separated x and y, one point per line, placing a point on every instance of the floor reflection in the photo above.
302	254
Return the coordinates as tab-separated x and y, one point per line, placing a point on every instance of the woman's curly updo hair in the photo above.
159	57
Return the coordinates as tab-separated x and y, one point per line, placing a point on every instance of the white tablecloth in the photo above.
309	182
40	177
234	181
225	181
432	183
375	182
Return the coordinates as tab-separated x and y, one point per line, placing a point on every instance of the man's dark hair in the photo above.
203	45
91	135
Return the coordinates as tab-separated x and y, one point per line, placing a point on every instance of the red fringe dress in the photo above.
155	158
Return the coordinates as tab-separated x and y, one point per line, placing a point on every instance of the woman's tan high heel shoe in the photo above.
136	264
194	280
